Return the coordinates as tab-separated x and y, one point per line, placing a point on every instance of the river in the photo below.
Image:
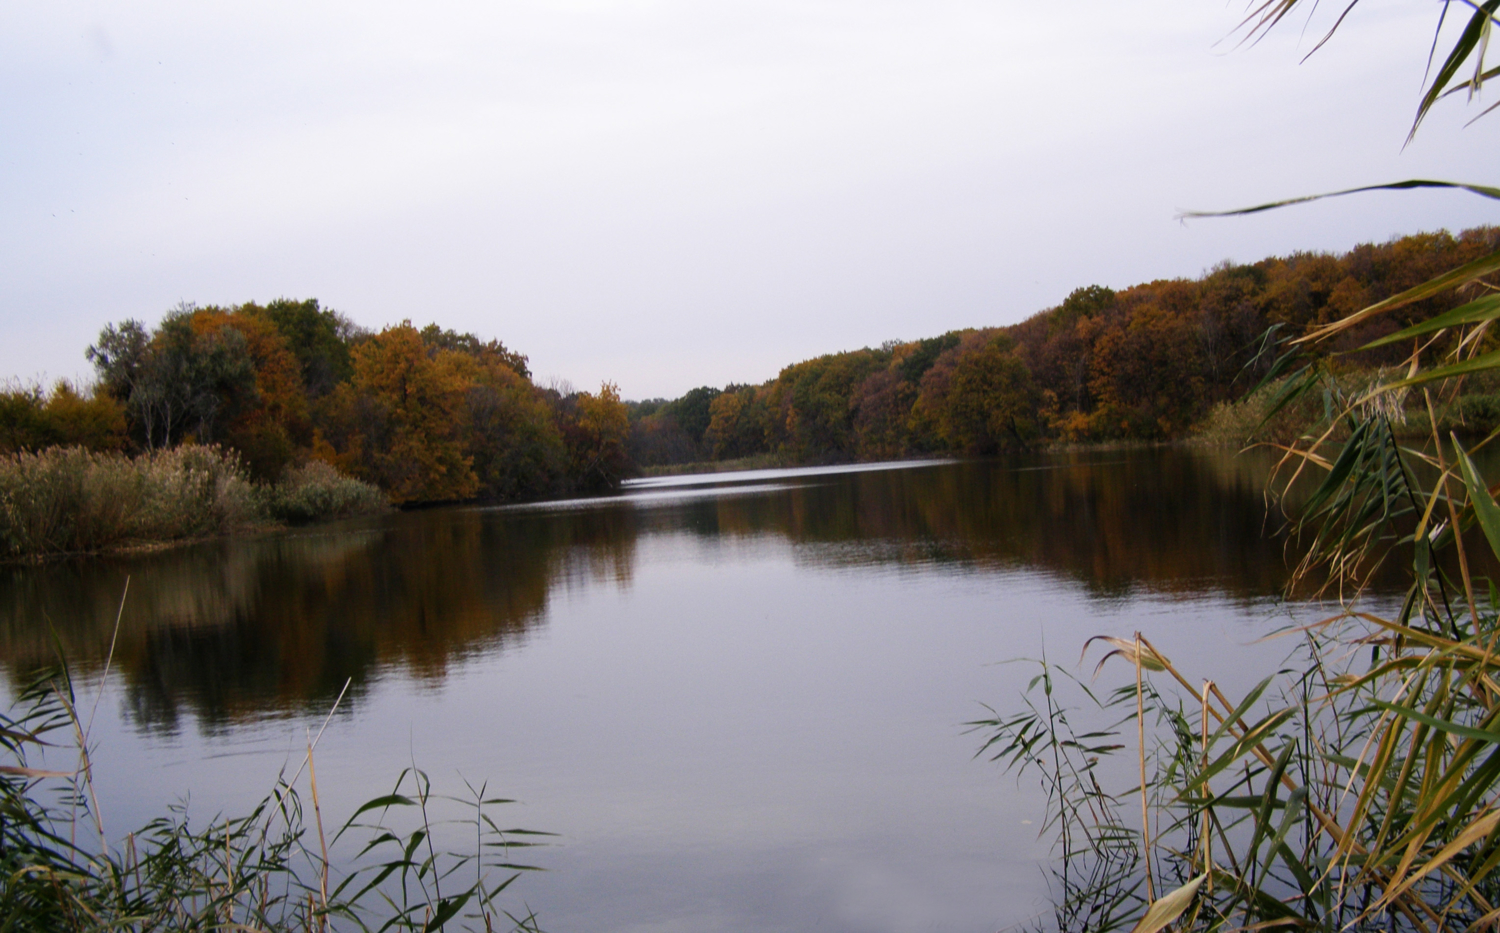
739	700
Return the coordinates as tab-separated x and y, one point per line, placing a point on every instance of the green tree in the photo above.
510	436
176	384
810	402
320	338
23	425
657	439
89	418
274	429
692	411
917	358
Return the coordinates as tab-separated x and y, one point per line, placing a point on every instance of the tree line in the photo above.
1148	362
433	415
425	414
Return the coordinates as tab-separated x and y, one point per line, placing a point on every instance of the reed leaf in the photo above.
1472	833
1474	312
1169	907
1485	509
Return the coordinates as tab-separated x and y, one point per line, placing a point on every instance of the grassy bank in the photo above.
67	500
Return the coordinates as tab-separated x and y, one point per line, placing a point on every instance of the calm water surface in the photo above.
739	699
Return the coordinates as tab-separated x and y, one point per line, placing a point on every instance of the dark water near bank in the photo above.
739	698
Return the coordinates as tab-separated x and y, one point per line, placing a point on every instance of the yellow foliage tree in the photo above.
596	438
398	422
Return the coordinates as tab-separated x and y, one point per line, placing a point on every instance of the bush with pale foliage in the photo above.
66	500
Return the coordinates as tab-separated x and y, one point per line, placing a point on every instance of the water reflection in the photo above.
240	628
235	630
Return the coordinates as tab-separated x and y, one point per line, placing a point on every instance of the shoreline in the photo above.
700	468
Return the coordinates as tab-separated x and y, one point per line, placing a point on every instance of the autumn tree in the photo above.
320	338
656	438
881	408
1058	350
87	418
595	429
1148	376
399	422
738	418
31	419
811	416
912	360
510	435
273	429
979	398
490	352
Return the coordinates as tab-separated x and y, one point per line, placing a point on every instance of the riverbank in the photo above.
66	501
70	501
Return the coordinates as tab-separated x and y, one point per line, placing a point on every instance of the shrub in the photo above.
316	491
32	419
66	500
1256	419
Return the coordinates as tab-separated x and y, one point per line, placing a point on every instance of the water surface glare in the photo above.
739	699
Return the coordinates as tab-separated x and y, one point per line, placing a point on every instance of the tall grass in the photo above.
316	491
68	499
1336	794
275	868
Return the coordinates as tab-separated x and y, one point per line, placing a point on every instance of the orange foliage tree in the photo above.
737	425
510	435
398	422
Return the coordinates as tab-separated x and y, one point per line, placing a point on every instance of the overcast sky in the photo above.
669	193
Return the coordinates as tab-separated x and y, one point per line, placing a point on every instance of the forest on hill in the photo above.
1149	363
432	415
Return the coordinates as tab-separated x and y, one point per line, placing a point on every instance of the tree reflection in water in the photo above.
273	625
